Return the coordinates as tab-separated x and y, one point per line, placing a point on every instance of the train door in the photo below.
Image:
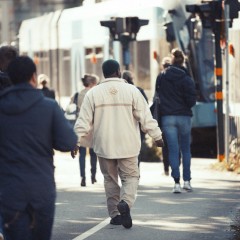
53	52
65	84
76	66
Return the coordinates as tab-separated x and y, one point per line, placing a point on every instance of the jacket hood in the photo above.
174	73
19	98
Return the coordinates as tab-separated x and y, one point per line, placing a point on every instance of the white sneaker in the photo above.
187	186
177	188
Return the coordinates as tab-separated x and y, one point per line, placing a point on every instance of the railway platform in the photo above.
209	212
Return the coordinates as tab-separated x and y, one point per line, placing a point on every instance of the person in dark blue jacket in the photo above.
177	93
31	126
7	54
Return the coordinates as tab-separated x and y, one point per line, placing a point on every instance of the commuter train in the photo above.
68	43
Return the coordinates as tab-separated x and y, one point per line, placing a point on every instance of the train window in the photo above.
94	60
66	53
98	50
88	51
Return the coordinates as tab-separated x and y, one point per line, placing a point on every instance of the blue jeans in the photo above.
177	131
93	161
29	224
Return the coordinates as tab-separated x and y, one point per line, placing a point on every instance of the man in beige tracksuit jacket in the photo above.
112	111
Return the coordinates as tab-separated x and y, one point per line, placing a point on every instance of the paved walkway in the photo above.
206	213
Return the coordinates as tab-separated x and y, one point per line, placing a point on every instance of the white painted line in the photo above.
93	230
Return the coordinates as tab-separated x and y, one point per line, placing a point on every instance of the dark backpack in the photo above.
72	113
75	101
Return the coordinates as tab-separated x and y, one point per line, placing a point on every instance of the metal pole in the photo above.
218	88
226	18
125	51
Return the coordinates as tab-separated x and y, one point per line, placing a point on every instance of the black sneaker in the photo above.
124	210
83	182
93	179
116	220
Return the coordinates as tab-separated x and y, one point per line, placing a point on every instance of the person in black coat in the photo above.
128	76
7	54
43	80
31	126
177	93
166	62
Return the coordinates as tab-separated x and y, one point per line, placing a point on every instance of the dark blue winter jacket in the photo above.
176	91
31	126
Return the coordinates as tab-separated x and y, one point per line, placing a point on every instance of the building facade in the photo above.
13	12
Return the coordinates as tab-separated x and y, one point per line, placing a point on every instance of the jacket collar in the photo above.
113	80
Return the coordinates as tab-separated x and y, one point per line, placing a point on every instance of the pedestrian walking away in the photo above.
166	62
7	54
177	93
31	126
128	76
43	81
113	110
89	81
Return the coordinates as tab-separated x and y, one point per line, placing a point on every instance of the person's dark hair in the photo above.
7	54
4	81
177	57
110	68
89	79
127	75
21	69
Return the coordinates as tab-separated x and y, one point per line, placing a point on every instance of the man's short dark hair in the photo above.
7	54
21	69
110	67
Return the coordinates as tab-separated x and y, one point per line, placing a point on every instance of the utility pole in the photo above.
216	8
227	127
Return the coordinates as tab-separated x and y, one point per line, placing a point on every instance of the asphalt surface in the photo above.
211	211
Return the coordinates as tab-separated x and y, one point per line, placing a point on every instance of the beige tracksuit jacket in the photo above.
111	111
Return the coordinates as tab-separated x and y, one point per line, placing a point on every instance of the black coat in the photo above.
48	93
176	90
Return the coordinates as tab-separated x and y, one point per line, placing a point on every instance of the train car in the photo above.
232	92
68	43
80	44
